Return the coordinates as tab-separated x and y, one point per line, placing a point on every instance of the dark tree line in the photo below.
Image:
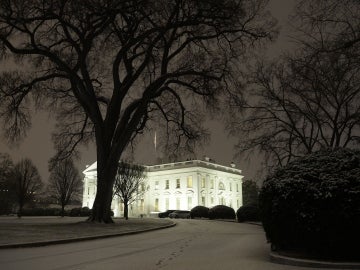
20	184
109	69
250	192
6	196
27	182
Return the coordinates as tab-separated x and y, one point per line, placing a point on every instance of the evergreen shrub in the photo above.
221	212
80	212
199	212
85	211
312	205
248	213
75	212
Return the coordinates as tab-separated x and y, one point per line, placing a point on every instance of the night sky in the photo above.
39	148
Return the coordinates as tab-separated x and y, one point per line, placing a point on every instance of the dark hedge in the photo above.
80	212
248	213
313	205
221	212
199	212
41	212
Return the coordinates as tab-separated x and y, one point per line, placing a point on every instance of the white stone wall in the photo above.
222	185
89	190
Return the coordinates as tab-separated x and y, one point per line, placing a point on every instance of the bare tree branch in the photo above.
116	59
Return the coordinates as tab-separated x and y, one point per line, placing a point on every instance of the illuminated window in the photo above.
222	201
167	203
177	183
142	187
203	201
189	203
203	182
189	182
142	205
156	204
237	187
212	183
221	186
156	184
166	184
121	206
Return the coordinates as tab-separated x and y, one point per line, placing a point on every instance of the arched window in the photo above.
221	186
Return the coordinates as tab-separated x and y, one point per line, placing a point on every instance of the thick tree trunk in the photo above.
106	172
101	211
62	210
108	153
20	200
126	209
19	213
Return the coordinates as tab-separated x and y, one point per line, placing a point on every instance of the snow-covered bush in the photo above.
313	204
221	212
200	212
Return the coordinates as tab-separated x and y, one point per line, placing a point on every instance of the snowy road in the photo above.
192	244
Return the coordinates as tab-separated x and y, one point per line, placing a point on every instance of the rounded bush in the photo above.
221	212
75	212
199	212
80	212
313	205
85	211
248	213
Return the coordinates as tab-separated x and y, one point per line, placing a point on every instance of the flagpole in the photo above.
155	142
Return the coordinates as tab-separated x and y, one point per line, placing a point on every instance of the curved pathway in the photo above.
192	244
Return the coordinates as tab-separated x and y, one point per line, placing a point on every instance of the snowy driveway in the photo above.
192	244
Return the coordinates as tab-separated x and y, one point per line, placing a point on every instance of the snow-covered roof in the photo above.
91	168
177	165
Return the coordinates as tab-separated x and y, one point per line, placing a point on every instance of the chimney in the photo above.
207	158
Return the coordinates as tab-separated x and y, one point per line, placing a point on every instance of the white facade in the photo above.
179	186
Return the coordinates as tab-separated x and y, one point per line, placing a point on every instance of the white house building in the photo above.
178	185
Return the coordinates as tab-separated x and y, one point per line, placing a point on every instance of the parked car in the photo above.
180	214
165	214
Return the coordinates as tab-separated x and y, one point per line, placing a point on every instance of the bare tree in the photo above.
129	183
6	167
302	104
26	183
328	25
65	183
309	99
109	69
6	175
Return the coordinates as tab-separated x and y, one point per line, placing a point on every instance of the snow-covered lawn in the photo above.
34	229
